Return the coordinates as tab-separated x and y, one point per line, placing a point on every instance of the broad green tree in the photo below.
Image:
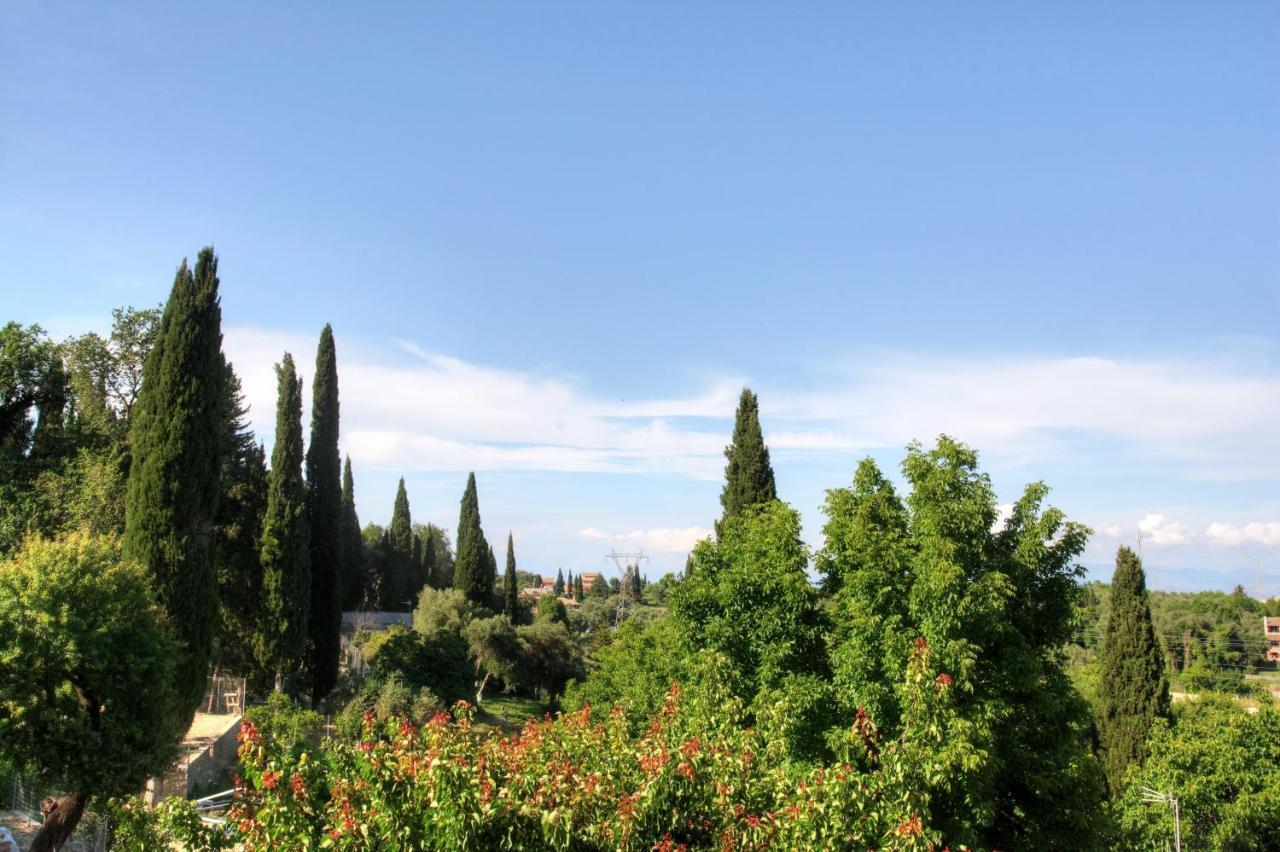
751	599
324	520
286	539
549	658
995	604
86	684
550	608
495	650
748	475
1133	691
174	479
866	567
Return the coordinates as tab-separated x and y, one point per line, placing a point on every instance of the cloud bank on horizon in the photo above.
1204	423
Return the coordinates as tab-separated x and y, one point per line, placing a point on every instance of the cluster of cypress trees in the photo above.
204	516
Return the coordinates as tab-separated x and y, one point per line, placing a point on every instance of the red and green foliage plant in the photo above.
693	779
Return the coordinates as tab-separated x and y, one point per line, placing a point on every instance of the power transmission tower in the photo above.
625	562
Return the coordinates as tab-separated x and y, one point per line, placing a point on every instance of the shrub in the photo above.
438	661
694	778
286	726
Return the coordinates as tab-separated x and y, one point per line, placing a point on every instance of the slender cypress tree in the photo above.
559	586
241	506
396	585
353	558
472	570
286	538
172	497
748	475
578	593
324	514
429	572
510	589
490	578
1134	690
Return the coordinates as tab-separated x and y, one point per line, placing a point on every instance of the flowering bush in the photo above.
695	778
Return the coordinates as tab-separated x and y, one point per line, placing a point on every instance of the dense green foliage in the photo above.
285	554
997	605
84	391
86	667
750	599
435	660
748	476
287	727
1134	691
634	671
324	522
172	496
1223	764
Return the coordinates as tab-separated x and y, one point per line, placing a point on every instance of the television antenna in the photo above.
1155	797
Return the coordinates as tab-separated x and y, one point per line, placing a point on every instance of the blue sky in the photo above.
554	240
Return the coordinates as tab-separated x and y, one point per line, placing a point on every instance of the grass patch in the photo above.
509	711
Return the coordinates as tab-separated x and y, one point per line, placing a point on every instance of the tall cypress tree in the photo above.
578	593
559	586
510	590
353	558
429	571
1133	688
241	506
396	582
491	579
172	497
286	539
324	515
472	573
748	474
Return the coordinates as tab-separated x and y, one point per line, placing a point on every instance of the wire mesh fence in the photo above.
23	798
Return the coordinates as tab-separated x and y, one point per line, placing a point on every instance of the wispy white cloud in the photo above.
408	408
1204	419
1232	535
1159	530
662	540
